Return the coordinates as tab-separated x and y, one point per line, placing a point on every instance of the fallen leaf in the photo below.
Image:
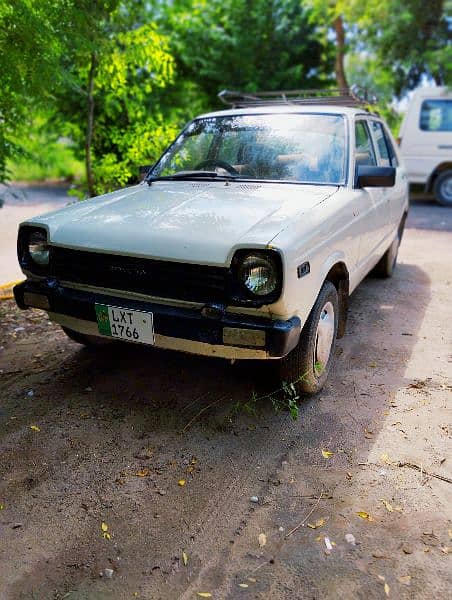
243	585
104	526
262	539
326	453
1	507
365	515
35	428
386	589
317	524
204	594
181	482
385	458
143	473
252	579
387	505
405	579
319	538
185	558
106	536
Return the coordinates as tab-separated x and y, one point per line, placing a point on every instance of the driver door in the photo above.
373	202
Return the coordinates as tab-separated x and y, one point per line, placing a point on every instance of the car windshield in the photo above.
299	147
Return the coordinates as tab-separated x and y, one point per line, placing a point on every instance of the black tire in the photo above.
443	188
90	341
387	263
301	366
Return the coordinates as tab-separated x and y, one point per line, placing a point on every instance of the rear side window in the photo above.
364	151
384	144
436	115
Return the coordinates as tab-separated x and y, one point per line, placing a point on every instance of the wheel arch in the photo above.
338	275
444	166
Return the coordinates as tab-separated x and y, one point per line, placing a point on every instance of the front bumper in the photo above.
207	332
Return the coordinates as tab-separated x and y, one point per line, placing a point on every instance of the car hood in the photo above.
189	221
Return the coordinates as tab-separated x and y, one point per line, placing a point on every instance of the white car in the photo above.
244	241
426	141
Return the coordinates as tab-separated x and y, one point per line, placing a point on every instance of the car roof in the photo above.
289	108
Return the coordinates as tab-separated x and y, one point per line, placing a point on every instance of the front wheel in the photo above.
443	188
308	364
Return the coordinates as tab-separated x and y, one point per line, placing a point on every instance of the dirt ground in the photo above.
94	447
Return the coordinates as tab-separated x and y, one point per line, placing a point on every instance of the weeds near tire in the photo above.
285	397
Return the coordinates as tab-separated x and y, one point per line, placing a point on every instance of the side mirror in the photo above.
370	176
143	171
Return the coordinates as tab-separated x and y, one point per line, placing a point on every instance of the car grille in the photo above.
181	281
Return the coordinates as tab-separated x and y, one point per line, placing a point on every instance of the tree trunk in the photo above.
341	79
90	127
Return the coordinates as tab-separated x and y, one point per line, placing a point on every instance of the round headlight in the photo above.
258	274
38	248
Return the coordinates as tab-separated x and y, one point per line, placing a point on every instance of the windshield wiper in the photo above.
181	175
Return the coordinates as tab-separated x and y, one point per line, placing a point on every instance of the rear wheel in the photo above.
308	364
386	265
443	188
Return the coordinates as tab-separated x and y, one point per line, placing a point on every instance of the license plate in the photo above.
125	324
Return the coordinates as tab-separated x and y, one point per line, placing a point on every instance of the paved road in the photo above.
91	438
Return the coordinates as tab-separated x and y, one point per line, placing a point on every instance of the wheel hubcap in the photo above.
324	338
446	189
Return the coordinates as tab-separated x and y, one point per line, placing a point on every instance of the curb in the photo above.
6	290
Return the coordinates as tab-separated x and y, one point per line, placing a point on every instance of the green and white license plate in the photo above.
125	324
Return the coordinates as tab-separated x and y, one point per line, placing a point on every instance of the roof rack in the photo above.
354	96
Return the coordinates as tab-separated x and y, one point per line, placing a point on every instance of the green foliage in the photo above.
156	64
129	130
38	39
247	44
43	156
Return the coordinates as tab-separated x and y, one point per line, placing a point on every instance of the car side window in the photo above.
386	150
364	150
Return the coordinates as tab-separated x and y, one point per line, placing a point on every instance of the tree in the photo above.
246	44
408	41
37	40
117	79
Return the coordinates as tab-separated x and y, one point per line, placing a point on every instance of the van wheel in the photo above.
308	364
443	188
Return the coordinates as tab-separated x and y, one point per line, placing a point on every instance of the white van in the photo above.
426	141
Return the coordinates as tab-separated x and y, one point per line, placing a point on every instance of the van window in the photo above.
385	147
436	115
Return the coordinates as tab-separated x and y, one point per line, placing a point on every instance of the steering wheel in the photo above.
213	162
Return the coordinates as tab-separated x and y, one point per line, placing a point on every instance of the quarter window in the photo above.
436	115
364	151
385	148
